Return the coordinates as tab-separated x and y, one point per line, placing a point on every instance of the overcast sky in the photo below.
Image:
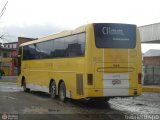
37	18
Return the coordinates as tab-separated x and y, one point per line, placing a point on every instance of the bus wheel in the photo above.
62	92
53	90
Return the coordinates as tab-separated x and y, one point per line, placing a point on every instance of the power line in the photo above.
3	10
2	37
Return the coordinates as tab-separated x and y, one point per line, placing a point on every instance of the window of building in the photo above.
14	45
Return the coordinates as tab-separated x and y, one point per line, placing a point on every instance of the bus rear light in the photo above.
90	79
139	78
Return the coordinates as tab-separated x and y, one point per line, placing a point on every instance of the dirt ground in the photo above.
39	106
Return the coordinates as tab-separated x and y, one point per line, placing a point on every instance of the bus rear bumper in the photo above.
112	92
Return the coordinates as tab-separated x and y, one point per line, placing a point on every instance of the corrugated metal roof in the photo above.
150	33
152	52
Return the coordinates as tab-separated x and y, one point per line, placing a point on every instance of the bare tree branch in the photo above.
2	36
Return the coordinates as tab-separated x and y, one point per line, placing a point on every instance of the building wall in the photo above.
12	45
154	60
151	70
4	53
7	53
23	40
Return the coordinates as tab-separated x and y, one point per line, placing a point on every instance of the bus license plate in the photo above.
116	81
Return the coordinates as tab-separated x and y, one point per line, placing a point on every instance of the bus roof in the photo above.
57	35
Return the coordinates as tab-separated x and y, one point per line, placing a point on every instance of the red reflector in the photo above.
139	78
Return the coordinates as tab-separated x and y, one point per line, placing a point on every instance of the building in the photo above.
6	64
8	51
10	45
24	39
151	62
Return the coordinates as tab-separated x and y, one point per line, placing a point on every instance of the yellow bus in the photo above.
96	61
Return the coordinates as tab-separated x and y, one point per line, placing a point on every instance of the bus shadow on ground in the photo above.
40	94
89	103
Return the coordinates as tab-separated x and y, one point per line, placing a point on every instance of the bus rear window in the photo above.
111	35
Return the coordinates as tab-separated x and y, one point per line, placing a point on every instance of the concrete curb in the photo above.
150	89
8	77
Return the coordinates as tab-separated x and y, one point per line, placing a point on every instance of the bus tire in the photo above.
62	92
53	90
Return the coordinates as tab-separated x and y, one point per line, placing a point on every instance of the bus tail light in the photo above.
139	78
90	79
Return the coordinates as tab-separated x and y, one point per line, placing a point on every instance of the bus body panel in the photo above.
41	73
